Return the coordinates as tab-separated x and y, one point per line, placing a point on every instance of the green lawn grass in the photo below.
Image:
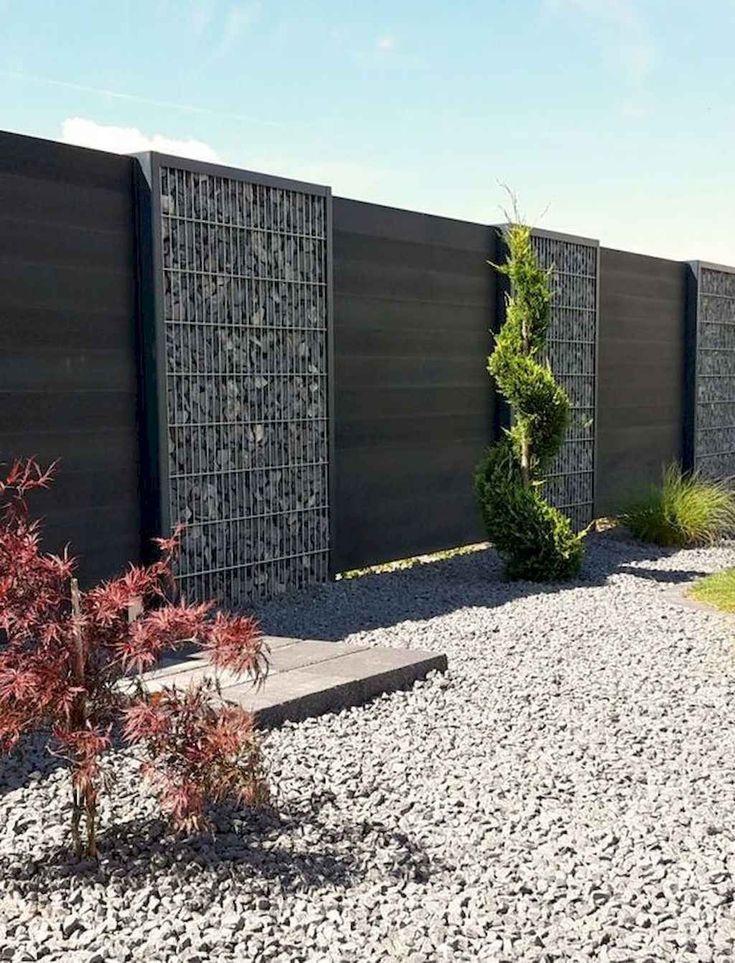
717	590
403	563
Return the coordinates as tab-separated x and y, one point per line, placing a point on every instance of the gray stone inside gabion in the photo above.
714	442
572	348
245	320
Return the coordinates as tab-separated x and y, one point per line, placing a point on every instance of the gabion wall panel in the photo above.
572	354
714	401
244	293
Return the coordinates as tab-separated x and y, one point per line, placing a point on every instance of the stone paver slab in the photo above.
310	652
307	677
347	680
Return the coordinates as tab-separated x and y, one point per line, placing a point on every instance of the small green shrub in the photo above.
684	510
535	540
717	590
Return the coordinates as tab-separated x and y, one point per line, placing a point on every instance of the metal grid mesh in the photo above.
714	440
246	364
572	355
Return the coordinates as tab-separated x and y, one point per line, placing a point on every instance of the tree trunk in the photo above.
526	463
83	800
91	807
76	817
526	441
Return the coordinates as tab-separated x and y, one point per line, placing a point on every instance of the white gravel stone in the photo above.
565	792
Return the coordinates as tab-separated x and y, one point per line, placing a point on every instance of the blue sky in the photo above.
617	115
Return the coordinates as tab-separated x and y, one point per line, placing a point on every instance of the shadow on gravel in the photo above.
301	847
381	600
678	576
29	760
340	609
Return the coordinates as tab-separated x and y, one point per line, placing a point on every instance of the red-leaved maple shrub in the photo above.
65	653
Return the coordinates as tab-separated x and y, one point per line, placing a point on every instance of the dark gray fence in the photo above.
644	345
413	409
68	383
641	372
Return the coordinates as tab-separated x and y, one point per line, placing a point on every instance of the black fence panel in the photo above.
710	427
411	404
413	306
640	372
67	342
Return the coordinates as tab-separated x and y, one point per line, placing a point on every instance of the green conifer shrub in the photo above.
535	539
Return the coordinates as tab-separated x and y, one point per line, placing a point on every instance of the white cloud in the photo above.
385	50
130	140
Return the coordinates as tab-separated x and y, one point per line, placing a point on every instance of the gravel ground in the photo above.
564	793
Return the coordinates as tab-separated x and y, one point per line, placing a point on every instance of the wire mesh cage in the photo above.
714	435
245	314
572	354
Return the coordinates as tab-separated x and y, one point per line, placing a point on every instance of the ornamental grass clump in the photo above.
535	539
684	510
67	651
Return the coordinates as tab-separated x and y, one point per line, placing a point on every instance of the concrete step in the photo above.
306	677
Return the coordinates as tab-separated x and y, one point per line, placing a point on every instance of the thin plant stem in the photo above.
76	816
91	809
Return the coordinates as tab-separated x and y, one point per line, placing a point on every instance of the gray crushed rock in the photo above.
565	792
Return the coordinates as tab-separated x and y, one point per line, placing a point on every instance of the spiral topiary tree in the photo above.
535	539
